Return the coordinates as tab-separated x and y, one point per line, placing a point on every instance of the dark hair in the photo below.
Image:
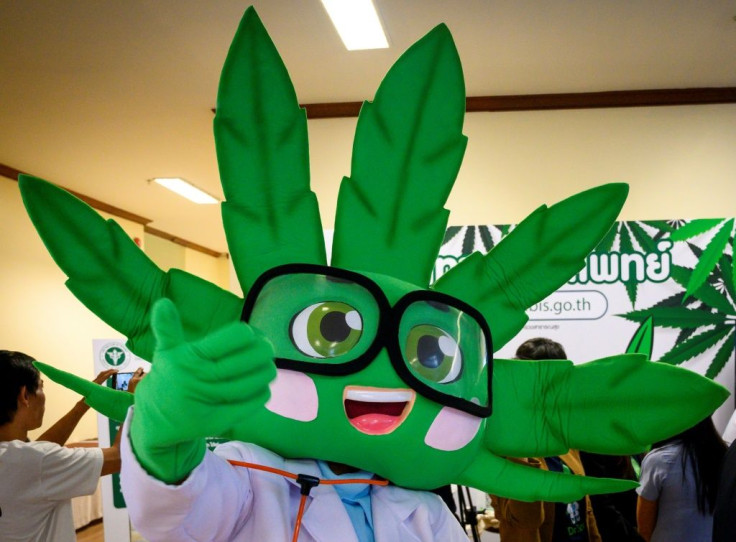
703	447
540	348
16	371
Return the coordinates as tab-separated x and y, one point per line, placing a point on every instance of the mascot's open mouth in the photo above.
377	411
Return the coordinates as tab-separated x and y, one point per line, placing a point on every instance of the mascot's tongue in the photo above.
374	418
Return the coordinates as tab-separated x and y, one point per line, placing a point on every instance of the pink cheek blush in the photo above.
294	396
452	429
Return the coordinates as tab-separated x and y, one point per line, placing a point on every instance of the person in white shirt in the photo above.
40	478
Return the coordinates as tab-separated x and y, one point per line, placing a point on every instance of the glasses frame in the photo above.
387	335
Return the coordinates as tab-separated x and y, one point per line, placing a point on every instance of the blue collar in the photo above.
352	495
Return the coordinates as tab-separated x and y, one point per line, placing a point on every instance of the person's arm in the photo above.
216	498
111	456
137	377
646	517
62	429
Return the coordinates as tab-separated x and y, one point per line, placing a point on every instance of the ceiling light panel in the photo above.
357	23
185	189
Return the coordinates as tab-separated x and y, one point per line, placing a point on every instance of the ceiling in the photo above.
100	95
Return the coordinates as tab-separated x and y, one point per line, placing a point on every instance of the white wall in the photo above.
679	161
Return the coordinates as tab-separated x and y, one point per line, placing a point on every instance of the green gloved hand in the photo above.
195	390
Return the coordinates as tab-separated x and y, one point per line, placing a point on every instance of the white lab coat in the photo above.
220	502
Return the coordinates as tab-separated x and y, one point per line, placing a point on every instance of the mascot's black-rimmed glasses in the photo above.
331	321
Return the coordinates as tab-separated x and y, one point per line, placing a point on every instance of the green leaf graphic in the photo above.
642	237
627	247
695	346
725	266
641	342
685	334
672	301
706	293
450	233
709	258
678	317
696	227
733	279
722	356
469	241
485	237
695	249
660	225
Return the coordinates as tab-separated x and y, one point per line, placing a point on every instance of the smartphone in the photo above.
120	381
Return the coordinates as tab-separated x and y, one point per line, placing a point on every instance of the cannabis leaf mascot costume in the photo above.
362	362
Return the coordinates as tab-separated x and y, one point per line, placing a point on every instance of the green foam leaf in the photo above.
606	244
407	152
622	404
535	259
112	276
504	478
271	216
615	405
111	403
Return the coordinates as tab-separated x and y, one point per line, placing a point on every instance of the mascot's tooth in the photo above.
379	396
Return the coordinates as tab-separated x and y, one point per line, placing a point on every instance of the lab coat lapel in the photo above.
326	519
392	515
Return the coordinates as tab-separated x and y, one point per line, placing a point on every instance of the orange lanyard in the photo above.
306	482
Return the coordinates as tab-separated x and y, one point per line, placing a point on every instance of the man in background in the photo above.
39	478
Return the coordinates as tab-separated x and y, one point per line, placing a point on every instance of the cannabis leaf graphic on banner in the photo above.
705	312
629	232
470	245
710	257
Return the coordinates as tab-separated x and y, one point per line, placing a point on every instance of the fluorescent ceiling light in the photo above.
185	189
357	23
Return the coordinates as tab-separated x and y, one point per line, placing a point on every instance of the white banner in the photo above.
678	272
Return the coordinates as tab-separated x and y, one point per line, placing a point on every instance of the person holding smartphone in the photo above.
127	381
39	478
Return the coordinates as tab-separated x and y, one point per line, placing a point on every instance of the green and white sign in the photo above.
679	272
113	354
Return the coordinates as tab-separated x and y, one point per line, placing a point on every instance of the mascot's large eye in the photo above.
326	330
433	354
